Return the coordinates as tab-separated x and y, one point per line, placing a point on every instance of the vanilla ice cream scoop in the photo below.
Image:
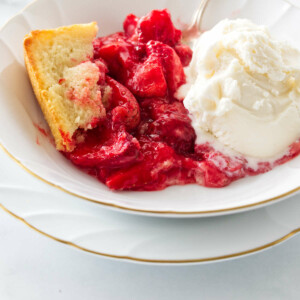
243	89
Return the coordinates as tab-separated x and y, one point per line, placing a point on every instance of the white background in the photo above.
33	267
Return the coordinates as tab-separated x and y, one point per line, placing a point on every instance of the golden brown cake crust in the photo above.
45	62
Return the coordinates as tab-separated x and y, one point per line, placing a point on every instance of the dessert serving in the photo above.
123	109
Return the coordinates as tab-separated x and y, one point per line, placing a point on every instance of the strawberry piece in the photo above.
156	26
175	131
118	58
231	166
115	38
156	107
158	168
148	80
185	54
168	122
102	68
125	108
130	24
173	69
119	149
212	176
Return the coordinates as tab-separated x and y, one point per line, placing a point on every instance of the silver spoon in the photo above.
195	26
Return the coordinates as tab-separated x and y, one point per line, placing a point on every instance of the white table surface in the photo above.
33	267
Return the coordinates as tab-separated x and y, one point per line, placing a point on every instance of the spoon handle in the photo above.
196	20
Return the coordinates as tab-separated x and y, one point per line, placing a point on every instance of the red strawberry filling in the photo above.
146	141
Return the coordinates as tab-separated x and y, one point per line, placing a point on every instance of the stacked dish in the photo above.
180	224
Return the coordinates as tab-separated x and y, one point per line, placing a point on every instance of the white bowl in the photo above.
19	111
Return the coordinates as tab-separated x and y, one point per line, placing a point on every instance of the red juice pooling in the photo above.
146	141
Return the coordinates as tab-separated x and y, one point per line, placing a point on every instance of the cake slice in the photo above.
65	79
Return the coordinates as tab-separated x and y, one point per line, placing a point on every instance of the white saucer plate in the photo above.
92	228
20	115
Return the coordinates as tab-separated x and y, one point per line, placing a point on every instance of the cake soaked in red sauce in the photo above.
146	141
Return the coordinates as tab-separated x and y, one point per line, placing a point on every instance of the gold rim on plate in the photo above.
171	261
224	210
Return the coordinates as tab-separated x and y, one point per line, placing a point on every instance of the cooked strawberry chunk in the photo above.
185	54
130	24
175	131
157	107
158	169
168	122
173	69
125	109
213	177
156	26
117	57
114	38
231	166
114	150
102	68
148	80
